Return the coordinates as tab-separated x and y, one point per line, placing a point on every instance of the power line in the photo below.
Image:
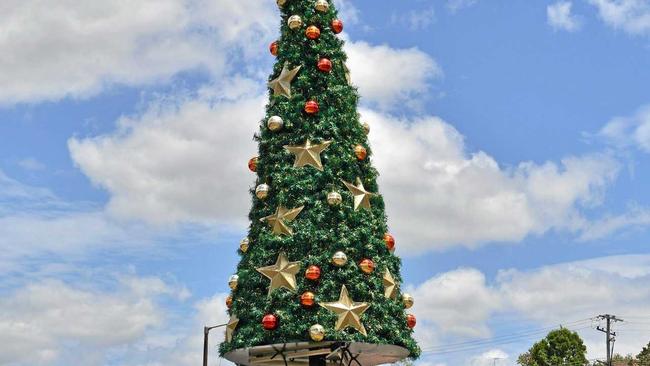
488	343
508	336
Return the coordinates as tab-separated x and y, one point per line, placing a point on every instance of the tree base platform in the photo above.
318	354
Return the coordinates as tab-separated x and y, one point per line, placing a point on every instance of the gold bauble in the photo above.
334	198
322	5
233	281
262	191
244	244
275	123
360	152
367	266
317	332
339	259
366	127
295	22
281	2
407	300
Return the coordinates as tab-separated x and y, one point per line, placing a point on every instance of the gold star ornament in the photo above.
282	274
348	311
308	154
231	326
361	196
390	285
278	221
282	85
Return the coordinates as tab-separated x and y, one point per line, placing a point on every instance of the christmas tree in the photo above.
317	279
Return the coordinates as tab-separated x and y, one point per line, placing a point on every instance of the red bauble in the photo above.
252	164
308	299
274	48
337	26
367	266
390	241
229	302
411	321
311	107
324	65
270	322
312	273
312	32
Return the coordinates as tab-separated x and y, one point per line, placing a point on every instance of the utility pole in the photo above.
206	333
610	336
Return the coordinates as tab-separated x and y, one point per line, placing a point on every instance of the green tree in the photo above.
643	358
561	347
316	199
619	359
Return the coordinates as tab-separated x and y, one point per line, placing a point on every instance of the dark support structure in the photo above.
610	336
206	333
317	360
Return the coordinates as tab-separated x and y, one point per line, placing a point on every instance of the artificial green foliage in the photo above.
561	347
320	230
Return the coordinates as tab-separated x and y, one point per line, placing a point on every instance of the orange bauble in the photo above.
360	152
312	32
308	299
229	302
324	65
337	26
390	241
311	107
270	322
274	48
312	273
411	321
367	266
252	164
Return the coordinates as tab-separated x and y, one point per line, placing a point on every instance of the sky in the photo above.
512	139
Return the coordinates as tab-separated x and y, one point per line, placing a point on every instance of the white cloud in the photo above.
98	43
559	16
632	16
494	357
457	303
49	322
415	19
31	164
179	342
36	225
630	131
455	5
635	217
405	74
572	291
576	290
13	193
460	304
182	345
434	200
201	173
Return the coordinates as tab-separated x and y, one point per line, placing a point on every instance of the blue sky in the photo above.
512	138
